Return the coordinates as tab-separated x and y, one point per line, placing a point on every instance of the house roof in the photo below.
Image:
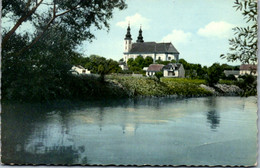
155	67
79	66
152	47
248	67
170	65
231	72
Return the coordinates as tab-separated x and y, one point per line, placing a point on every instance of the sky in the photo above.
199	29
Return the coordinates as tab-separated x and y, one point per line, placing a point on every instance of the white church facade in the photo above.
157	51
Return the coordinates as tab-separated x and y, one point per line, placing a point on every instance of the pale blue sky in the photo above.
199	29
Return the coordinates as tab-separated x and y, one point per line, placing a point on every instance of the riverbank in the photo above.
141	86
90	87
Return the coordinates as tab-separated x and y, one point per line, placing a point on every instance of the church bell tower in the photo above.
128	40
140	37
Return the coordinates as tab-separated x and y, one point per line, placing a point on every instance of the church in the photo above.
158	51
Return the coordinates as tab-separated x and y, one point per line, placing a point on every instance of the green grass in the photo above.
167	86
228	82
186	87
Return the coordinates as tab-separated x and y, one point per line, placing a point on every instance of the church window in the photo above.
169	58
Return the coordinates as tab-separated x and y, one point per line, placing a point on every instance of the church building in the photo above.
158	51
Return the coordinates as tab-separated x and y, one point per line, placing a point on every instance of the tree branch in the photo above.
18	23
47	26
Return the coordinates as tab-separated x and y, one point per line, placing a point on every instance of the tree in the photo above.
243	46
101	65
214	74
148	61
36	63
139	61
130	62
77	16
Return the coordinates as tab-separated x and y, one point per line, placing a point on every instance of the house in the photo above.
79	70
153	68
157	51
174	70
170	70
123	65
232	72
248	69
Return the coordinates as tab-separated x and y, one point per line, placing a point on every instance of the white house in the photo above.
248	69
123	65
153	68
174	70
232	72
170	70
157	51
78	70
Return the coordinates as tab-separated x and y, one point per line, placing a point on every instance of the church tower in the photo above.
128	40
140	37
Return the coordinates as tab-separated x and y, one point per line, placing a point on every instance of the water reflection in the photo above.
213	117
113	132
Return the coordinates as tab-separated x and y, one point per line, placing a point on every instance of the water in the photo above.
157	131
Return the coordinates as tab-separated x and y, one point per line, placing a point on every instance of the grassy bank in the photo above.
140	86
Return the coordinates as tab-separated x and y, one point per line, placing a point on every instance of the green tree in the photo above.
243	46
77	16
214	74
130	62
140	61
36	63
147	61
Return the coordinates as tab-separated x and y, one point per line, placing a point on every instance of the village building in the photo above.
174	70
157	51
153	68
79	70
244	69
232	72
170	70
248	69
123	65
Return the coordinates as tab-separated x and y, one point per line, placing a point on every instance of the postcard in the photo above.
129	82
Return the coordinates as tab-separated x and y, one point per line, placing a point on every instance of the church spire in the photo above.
128	34
140	37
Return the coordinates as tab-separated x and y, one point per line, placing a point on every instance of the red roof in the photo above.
248	67
155	67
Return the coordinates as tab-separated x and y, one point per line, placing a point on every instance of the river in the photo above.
153	131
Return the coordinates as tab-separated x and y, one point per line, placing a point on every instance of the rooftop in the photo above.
153	47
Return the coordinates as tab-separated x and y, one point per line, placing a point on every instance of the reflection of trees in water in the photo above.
213	116
18	125
65	155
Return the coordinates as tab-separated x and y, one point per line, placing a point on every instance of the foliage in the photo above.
77	17
158	75
186	87
227	82
194	70
243	46
167	86
38	73
148	61
214	74
248	84
137	65
36	63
